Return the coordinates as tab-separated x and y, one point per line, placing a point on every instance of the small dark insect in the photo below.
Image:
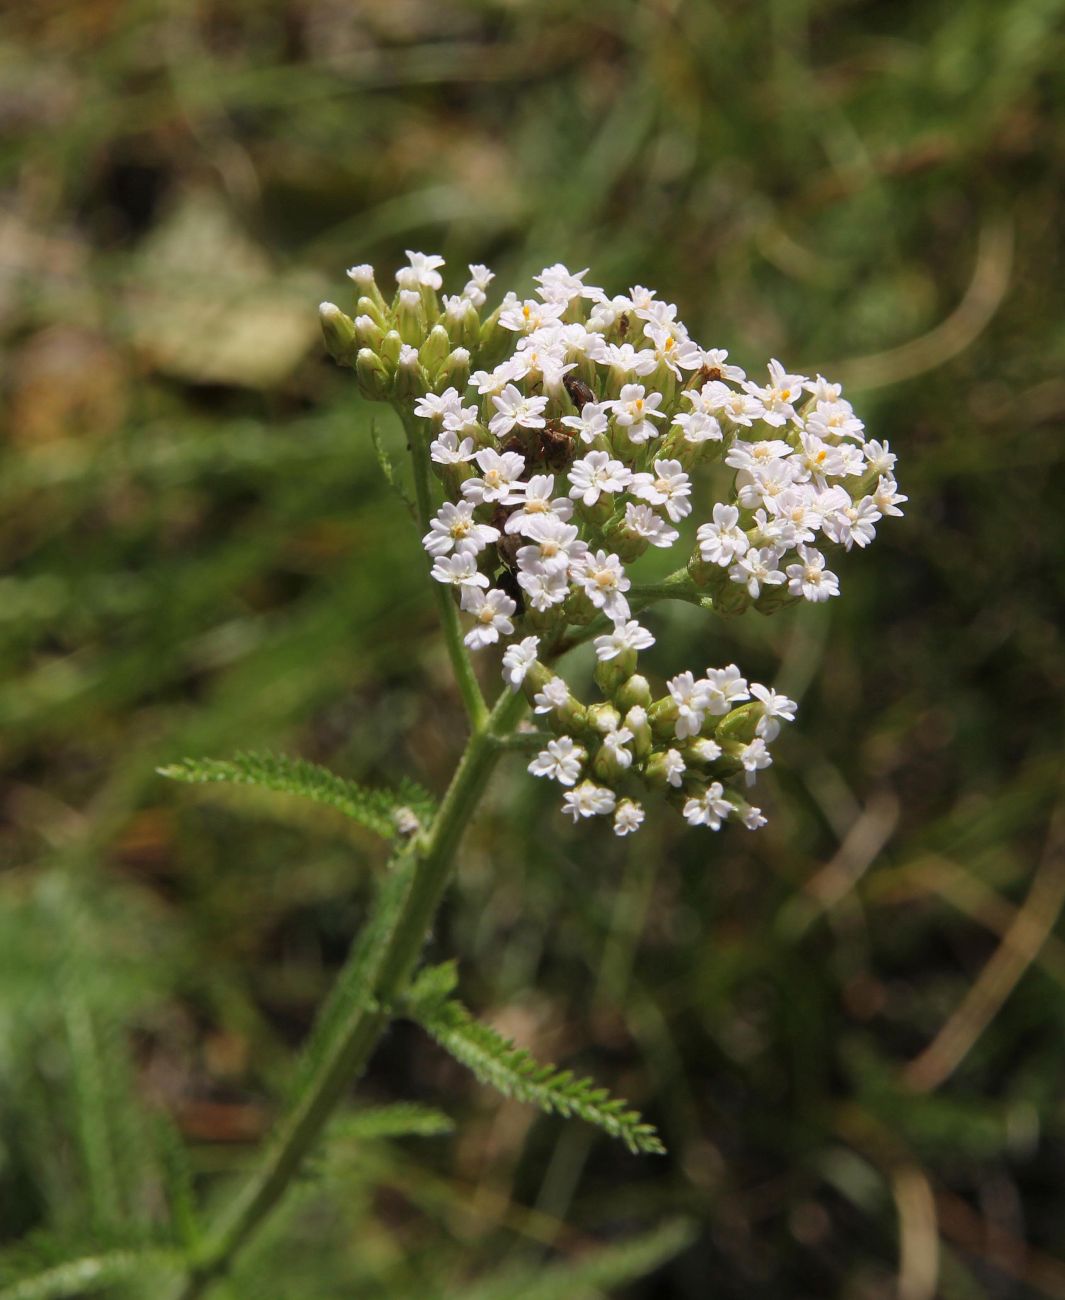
623	324
556	445
705	374
578	390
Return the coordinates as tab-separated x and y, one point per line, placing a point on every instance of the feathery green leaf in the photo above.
375	809
513	1071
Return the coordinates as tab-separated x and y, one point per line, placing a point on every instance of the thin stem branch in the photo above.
449	615
355	1033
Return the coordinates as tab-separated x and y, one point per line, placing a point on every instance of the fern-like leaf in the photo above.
513	1071
596	1273
375	809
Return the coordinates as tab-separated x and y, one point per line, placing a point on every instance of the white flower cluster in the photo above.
569	454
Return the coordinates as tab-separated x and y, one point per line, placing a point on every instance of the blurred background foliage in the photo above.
849	1028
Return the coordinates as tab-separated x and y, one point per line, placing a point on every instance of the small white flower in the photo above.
602	578
888	497
724	687
538	503
513	407
525	317
628	817
633	408
555	695
480	279
491	611
454	528
625	636
588	800
448	450
424	267
717	360
641	521
699	426
690	697
811	579
774	707
709	809
561	761
543	586
753	455
591	423
626	360
716	398
721	540
752	818
501	475
459	571
491	382
673	767
779	395
596	474
559	284
754	756
705	750
853	525
436	405
879	457
518	658
757	569
555	543
669	485
615	741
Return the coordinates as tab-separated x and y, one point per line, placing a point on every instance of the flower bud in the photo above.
664	769
389	349
410	317
494	342
610	673
607	766
635	691
603	717
433	352
739	724
372	375
637	723
363	279
338	330
367	332
463	323
409	379
455	372
662	716
702	750
376	312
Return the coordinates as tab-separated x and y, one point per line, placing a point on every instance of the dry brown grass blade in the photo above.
1020	946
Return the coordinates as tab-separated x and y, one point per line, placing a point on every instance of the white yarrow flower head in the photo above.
569	429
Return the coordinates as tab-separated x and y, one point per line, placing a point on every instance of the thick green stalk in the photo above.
449	615
356	1033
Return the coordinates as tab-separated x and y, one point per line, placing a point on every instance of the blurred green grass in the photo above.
200	555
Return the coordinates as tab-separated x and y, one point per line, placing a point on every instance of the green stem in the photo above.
355	1034
449	615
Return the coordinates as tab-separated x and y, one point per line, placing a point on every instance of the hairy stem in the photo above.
449	615
354	1034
